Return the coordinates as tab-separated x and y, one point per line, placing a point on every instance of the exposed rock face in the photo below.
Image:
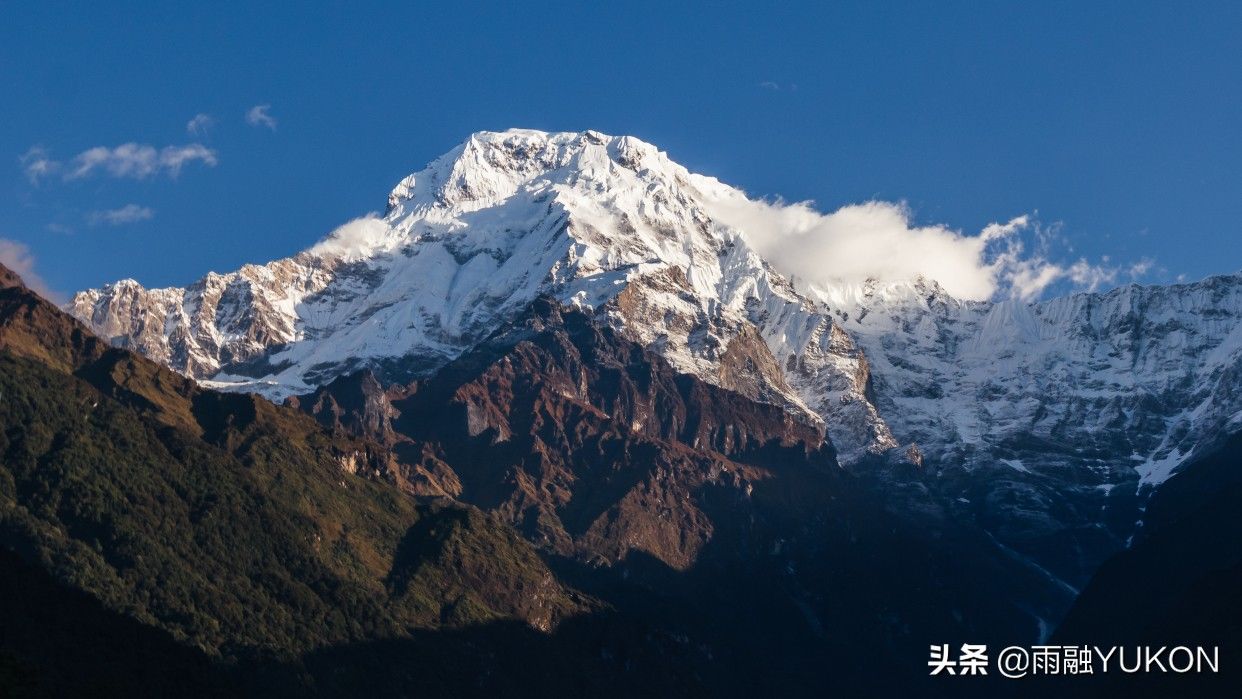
8	278
31	327
601	453
588	443
356	403
220	320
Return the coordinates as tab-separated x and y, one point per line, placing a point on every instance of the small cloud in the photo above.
130	213
138	161
1141	268
354	240
17	257
778	87
37	165
173	157
200	125
259	115
1089	277
59	228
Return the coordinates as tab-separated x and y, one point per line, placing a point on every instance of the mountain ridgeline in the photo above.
550	426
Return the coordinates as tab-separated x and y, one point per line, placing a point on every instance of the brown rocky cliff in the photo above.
9	278
589	444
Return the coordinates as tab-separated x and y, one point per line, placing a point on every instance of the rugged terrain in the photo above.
553	404
216	529
1047	423
683	538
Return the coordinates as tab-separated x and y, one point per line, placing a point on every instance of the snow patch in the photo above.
1016	465
1155	471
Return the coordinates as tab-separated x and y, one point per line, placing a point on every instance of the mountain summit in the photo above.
606	224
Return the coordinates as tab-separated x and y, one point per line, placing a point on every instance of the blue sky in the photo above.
1114	124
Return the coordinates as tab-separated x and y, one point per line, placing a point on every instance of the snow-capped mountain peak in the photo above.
613	226
605	223
491	166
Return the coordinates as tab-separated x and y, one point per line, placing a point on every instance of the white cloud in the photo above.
200	125
130	213
37	165
259	115
878	240
138	161
1141	268
128	160
17	257
354	240
1090	277
173	157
